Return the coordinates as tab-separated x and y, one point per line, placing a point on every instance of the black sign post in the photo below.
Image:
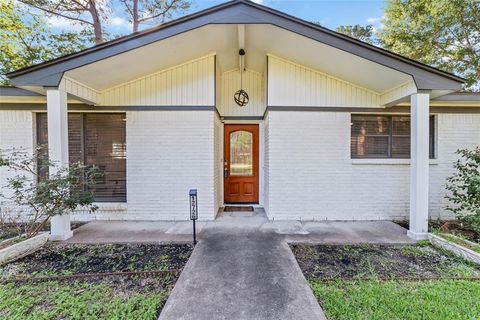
193	212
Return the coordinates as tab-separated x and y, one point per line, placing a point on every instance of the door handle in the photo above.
225	172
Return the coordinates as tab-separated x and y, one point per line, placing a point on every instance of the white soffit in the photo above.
223	39
159	56
324	58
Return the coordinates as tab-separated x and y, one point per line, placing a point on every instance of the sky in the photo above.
329	13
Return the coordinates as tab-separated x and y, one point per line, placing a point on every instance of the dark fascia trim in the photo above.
328	109
218	113
10	91
24	106
242	118
460	96
448	109
225	13
395	109
158	108
86	107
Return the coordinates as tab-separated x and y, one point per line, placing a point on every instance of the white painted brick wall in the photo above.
266	165
16	131
218	162
311	175
168	153
455	131
307	167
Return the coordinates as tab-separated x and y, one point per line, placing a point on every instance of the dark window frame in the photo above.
82	121
389	155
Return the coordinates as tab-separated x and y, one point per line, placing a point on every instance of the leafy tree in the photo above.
363	33
442	33
25	39
44	196
152	11
464	189
94	14
88	13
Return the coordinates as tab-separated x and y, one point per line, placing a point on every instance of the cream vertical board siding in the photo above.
80	90
398	93
169	153
218	162
311	175
291	84
253	84
188	84
16	132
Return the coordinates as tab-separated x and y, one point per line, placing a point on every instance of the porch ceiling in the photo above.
160	55
223	39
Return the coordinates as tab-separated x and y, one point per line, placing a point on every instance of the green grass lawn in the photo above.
370	282
55	300
121	296
370	299
459	240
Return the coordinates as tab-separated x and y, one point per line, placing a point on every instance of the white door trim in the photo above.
261	177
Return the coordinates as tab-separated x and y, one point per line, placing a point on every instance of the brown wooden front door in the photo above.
241	163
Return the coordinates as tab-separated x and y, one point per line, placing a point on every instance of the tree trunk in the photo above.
97	23
135	15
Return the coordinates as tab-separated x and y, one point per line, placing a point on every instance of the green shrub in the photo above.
464	189
45	195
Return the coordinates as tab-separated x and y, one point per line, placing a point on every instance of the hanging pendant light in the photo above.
241	96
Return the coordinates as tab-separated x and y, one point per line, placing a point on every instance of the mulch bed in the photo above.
448	226
86	266
322	262
66	259
10	230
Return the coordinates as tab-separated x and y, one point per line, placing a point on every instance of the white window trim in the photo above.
396	161
386	161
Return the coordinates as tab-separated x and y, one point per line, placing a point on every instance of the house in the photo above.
248	105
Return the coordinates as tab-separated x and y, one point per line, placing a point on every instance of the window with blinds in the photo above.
96	139
378	136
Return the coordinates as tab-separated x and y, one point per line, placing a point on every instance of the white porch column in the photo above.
58	152
419	165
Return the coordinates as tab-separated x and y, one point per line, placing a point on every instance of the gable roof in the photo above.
17	92
461	97
49	73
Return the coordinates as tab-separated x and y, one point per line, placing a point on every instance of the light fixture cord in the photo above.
241	73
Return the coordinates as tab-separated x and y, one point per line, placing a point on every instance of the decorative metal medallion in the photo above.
241	98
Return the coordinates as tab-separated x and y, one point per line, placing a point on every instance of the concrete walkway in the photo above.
241	275
242	268
321	232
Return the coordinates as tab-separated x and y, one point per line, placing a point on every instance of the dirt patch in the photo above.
454	227
65	259
458	229
10	241
383	261
143	295
402	223
10	230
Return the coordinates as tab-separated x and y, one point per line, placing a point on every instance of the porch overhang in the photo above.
202	31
